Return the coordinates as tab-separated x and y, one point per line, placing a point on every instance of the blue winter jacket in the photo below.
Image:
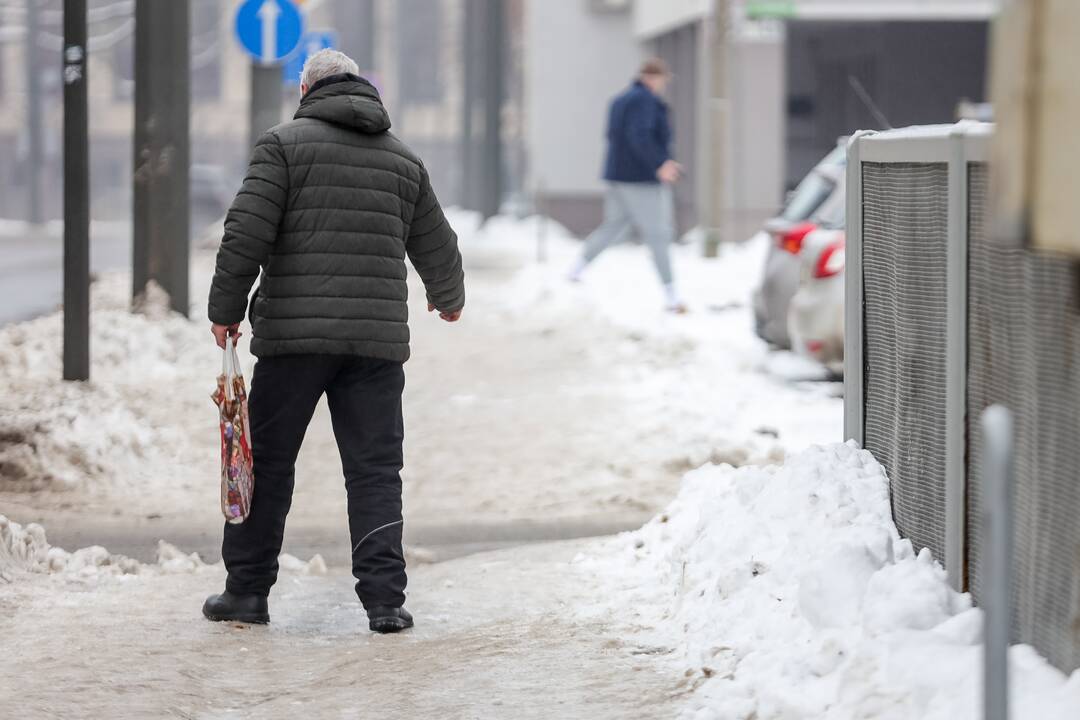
639	136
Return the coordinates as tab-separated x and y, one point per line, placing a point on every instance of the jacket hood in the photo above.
347	100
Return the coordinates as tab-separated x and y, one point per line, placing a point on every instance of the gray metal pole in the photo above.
364	53
265	99
76	196
355	22
494	74
468	106
161	208
34	126
997	518
714	194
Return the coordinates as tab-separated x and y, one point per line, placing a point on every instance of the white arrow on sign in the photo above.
268	14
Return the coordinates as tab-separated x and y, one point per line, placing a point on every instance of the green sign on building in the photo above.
767	9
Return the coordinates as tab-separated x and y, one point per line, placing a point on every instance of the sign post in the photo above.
269	30
76	196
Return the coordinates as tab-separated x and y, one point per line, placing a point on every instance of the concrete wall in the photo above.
576	59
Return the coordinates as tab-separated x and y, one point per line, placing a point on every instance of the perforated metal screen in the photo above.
905	222
1024	352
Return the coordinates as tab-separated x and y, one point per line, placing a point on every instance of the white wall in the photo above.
576	60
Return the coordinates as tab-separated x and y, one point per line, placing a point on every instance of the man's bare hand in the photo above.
447	316
222	331
669	172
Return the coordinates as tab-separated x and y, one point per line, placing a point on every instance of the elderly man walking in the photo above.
639	172
331	205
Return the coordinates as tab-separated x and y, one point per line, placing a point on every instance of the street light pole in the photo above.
76	196
34	125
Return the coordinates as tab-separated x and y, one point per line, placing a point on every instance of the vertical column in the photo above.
162	154
355	21
76	196
713	193
265	99
468	105
494	91
34	124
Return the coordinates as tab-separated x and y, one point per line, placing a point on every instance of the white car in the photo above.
780	276
816	313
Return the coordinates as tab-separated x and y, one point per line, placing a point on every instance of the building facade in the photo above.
762	90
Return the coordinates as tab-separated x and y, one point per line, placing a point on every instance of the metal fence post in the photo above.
854	391
997	514
956	361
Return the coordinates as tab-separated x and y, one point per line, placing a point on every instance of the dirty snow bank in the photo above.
59	436
25	551
785	592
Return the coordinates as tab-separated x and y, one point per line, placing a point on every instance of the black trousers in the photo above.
364	395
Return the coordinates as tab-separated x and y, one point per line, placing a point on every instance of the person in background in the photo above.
331	206
639	172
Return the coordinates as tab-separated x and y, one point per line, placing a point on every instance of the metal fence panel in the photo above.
904	267
1024	352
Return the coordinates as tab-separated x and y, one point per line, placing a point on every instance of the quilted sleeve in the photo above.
251	228
432	247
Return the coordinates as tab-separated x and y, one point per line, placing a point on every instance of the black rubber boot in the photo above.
386	619
236	608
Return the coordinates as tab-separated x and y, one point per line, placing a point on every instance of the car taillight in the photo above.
791	240
831	261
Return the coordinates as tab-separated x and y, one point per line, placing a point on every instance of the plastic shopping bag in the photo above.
237	466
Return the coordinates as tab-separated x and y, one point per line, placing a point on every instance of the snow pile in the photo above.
25	550
789	594
56	435
21	549
126	348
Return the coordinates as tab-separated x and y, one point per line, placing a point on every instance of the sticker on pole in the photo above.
313	42
269	29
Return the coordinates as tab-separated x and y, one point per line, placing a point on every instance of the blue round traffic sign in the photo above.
269	29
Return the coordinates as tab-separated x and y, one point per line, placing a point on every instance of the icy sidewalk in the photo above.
497	636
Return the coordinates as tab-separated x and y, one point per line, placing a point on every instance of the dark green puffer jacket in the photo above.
331	205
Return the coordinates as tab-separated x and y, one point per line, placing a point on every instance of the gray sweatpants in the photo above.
648	208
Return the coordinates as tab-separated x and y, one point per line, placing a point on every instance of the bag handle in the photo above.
230	365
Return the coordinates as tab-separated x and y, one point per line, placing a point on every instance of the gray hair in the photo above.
325	63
